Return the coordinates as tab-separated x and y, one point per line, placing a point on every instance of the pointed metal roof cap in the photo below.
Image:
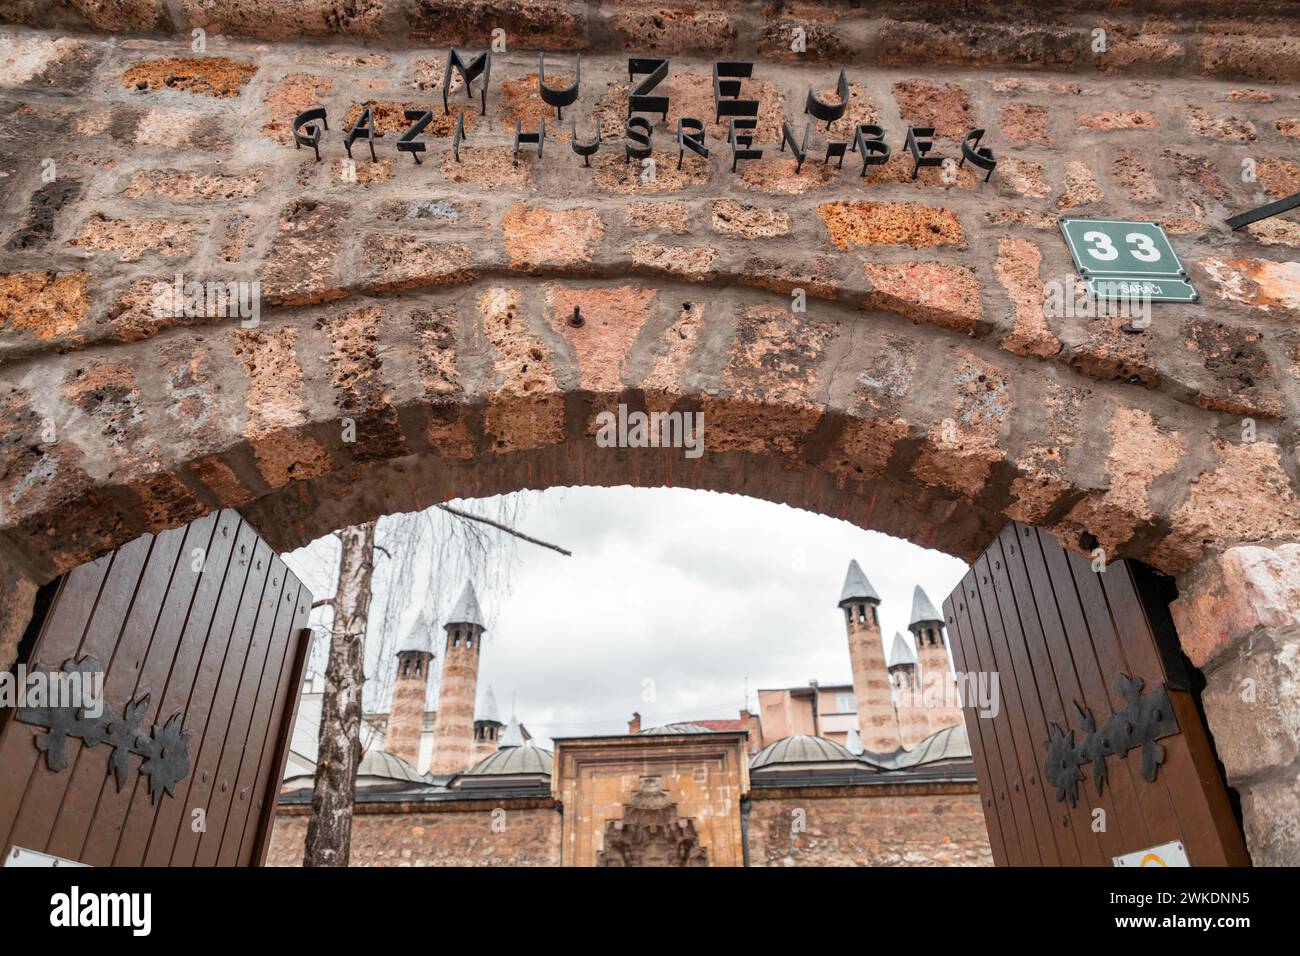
901	653
922	610
512	736
488	708
466	610
420	636
856	586
853	741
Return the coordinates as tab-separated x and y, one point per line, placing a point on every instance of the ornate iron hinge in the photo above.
165	748
1147	718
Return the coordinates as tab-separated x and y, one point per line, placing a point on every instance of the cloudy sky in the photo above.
673	603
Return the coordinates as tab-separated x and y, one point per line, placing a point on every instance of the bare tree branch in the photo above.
323	602
501	527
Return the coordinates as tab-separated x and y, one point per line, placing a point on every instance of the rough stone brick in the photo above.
135	237
694	263
1026	123
536	236
935	292
287	18
490	167
1271	812
944	106
1024	177
17	600
184	186
1230	128
216	76
1280	177
658	215
38	224
903	223
751	222
1117	119
778	174
1245	497
1017	268
275	408
611	319
1141	451
357	366
1081	187
47	304
1233	595
1131	168
1261	283
409	262
302	265
536	26
1252	703
675	30
296	93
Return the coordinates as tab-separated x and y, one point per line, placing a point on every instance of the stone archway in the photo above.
416	341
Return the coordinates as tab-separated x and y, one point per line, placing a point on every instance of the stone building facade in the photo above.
925	392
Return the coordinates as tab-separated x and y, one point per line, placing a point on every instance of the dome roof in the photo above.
802	749
856	586
513	761
950	743
665	730
381	764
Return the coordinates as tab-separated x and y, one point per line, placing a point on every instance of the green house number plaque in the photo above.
1120	259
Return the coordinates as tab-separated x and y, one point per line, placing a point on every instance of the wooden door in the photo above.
204	622
1059	634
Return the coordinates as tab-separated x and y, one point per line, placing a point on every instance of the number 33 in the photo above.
1142	248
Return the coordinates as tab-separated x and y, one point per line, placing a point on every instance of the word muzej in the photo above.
645	74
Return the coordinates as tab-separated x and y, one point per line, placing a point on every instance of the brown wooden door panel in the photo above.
1058	634
204	782
141	817
208	622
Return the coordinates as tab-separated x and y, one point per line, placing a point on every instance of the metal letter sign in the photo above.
1123	259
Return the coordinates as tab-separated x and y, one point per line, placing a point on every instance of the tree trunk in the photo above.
329	831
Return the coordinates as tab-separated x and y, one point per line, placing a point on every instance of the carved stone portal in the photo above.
651	833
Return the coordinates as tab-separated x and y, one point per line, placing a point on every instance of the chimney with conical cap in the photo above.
877	723
913	723
453	727
938	688
406	715
487	727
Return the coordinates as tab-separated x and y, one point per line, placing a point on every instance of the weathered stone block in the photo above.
1230	596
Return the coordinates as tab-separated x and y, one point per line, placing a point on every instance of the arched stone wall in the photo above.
414	342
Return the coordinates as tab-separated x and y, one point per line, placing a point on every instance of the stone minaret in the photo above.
453	727
487	728
937	684
877	724
913	722
406	715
